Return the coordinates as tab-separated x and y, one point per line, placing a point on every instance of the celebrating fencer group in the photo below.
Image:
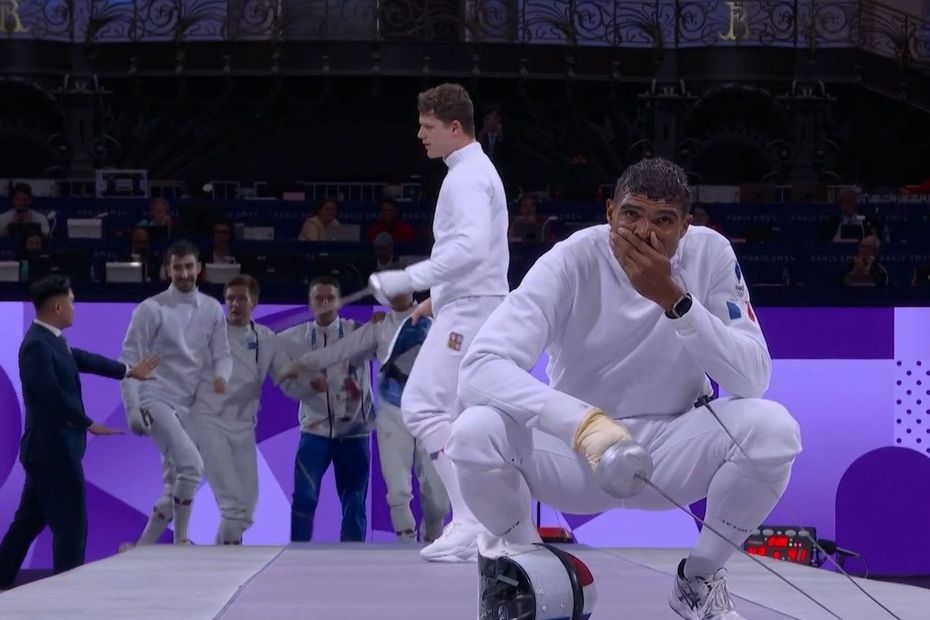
637	316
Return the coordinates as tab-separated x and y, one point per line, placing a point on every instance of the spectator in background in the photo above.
526	225
32	245
222	244
21	213
159	215
140	251
848	224
315	227
526	210
384	252
580	179
491	134
496	145
701	217
865	269
390	222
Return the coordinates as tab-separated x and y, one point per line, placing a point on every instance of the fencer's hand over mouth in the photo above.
320	384
219	385
143	370
649	270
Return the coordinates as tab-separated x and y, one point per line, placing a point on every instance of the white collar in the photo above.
334	326
191	297
456	157
50	328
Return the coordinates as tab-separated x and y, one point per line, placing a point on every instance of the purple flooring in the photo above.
391	582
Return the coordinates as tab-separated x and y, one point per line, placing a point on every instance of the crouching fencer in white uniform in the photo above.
467	277
223	425
635	316
395	341
187	330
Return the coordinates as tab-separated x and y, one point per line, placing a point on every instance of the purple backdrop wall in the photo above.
856	380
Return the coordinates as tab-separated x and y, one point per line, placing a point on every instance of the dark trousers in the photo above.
53	495
350	458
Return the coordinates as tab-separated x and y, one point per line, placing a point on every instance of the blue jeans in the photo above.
350	458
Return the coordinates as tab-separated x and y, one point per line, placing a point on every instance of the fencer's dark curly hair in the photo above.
656	179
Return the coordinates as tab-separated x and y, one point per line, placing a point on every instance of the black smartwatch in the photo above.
680	307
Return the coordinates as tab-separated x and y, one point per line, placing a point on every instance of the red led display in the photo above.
779	546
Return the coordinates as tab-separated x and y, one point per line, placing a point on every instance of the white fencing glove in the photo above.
595	433
386	285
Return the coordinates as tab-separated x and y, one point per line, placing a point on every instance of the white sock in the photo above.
446	470
407	536
500	499
736	505
402	519
182	518
230	533
157	523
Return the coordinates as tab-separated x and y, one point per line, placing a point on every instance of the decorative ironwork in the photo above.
37	19
253	18
430	20
656	24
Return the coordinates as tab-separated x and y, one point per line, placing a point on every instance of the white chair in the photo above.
124	272
221	273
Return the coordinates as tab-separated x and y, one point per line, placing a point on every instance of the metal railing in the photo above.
659	24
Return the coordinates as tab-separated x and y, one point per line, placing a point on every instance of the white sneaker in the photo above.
458	543
702	598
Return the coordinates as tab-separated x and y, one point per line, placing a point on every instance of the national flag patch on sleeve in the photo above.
455	341
733	310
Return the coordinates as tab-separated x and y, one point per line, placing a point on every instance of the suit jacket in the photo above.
56	424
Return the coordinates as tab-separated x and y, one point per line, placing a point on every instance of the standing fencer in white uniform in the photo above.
635	316
187	330
398	450
223	425
467	277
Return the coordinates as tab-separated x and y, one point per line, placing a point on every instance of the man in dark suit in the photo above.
55	432
849	224
499	147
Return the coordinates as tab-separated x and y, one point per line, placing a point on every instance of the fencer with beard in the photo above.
467	277
635	316
397	448
223	425
187	330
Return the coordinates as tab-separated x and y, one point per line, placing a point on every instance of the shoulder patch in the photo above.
733	310
739	288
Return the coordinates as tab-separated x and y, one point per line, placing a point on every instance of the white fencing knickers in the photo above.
399	452
183	468
502	463
430	400
231	469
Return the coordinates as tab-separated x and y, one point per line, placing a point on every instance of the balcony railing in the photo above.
657	25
